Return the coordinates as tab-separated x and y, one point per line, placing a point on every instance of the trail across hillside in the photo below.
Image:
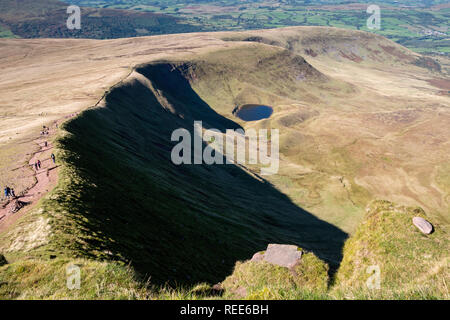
45	179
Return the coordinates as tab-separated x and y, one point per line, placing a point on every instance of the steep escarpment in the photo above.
121	198
260	74
341	46
350	132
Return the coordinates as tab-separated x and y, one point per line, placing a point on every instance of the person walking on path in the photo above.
7	192
39	163
53	158
12	193
36	166
45	144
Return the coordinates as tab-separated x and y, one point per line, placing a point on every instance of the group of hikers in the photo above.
9	193
37	164
45	130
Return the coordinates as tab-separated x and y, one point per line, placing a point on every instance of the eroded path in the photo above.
45	179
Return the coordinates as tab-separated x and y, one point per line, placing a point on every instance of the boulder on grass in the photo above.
423	225
283	255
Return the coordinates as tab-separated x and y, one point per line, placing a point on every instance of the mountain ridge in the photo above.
324	183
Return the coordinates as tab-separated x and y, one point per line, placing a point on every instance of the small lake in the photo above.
253	112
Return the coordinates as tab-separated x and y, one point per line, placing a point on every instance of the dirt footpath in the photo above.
45	179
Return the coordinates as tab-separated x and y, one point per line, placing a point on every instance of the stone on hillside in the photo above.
423	225
283	255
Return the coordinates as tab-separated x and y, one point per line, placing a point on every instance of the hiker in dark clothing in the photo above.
7	192
39	163
12	193
53	158
36	166
45	144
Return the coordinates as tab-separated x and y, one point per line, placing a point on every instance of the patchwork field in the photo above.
422	27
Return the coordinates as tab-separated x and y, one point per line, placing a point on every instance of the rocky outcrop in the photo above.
272	273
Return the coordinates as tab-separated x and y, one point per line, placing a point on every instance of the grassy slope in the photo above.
340	156
298	93
184	225
412	265
93	214
37	279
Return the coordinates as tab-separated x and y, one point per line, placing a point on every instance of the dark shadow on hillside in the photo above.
171	80
178	224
